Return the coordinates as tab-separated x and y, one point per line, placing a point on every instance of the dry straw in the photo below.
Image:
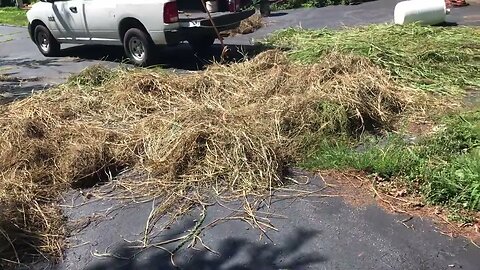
249	25
228	131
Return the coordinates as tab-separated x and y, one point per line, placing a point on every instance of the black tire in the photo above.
46	42
201	44
139	47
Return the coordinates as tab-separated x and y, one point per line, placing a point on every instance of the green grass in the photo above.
436	59
446	165
13	16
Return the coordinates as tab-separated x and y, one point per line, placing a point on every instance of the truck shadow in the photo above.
178	57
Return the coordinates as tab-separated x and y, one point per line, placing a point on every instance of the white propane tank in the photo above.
427	12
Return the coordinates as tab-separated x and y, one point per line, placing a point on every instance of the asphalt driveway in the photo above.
313	232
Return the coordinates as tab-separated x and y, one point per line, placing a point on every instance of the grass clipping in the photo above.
247	26
435	59
227	131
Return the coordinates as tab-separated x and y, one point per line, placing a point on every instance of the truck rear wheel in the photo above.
201	44
46	42
138	47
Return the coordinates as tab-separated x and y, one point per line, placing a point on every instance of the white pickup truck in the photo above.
138	25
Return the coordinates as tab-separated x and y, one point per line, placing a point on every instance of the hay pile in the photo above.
229	131
249	25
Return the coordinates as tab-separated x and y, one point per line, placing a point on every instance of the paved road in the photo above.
315	233
20	58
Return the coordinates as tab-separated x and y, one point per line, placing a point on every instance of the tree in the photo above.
19	3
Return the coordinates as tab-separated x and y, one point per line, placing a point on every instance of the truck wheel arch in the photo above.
32	27
129	23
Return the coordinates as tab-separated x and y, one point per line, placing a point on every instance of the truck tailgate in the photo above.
223	20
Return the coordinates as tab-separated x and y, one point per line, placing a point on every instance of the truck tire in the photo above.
138	47
201	44
46	42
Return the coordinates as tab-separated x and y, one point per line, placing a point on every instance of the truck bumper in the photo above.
201	27
174	37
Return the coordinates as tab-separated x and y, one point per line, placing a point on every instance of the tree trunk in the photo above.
19	3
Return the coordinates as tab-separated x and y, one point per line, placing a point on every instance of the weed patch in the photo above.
446	164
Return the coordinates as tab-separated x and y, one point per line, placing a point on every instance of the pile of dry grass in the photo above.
249	25
230	131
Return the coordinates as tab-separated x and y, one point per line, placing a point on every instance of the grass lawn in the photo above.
13	16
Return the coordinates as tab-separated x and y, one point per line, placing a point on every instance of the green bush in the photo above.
11	3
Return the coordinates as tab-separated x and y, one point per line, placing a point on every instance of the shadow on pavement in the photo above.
30	63
95	52
14	91
234	253
447	24
178	57
277	14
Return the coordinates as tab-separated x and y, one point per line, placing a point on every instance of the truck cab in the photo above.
139	26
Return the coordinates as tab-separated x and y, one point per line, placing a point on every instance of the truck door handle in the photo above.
73	9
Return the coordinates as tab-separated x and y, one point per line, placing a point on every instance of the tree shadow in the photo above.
234	253
31	63
10	92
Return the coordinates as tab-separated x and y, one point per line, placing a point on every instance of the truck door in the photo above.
100	22
69	18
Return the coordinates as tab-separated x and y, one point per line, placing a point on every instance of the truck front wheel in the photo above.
201	44
138	47
46	42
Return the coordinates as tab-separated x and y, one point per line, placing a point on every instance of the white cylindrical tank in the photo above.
428	12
